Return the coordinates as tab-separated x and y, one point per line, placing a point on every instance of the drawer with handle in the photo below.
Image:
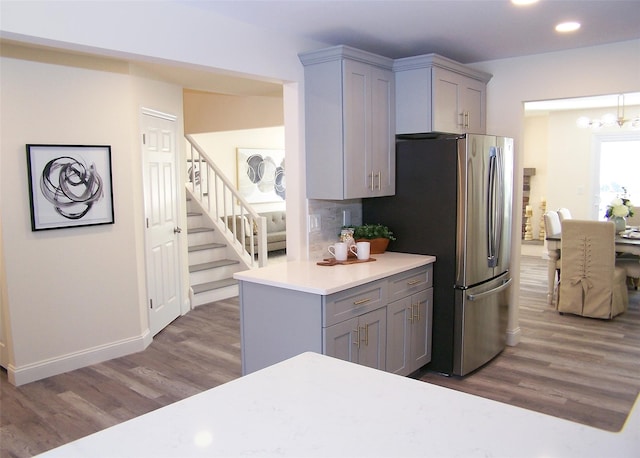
354	302
406	283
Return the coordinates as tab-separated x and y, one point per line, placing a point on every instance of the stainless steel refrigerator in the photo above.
453	200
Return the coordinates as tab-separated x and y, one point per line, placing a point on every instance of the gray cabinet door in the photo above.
421	329
339	340
398	336
372	350
360	340
369	126
409	332
458	103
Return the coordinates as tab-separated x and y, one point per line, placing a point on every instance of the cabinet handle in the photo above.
372	177
379	180
357	342
414	282
411	313
361	301
366	335
466	119
418	310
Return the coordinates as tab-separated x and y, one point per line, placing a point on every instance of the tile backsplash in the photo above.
331	213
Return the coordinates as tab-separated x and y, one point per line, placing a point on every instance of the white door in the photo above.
161	219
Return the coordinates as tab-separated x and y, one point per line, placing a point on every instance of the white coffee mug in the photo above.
363	250
340	250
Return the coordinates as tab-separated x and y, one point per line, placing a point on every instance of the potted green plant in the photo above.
378	234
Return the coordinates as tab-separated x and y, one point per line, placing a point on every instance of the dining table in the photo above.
624	244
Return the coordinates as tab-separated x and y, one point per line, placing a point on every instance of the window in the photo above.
617	160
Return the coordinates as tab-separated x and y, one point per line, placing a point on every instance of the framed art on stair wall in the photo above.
261	175
69	186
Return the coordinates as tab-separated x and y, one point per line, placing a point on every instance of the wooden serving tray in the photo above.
333	262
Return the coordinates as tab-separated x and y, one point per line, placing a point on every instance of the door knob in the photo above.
177	230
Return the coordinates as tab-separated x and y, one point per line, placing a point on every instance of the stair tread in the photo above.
206	246
211	285
195	230
212	265
194	213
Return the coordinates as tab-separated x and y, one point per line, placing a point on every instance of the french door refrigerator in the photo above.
453	200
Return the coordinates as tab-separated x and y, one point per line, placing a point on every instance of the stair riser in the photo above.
202	256
217	273
195	221
215	295
201	238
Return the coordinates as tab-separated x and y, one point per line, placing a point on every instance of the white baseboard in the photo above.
36	371
513	336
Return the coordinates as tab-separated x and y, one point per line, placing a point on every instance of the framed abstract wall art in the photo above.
69	186
261	175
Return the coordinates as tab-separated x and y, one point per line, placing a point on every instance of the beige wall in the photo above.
209	112
74	296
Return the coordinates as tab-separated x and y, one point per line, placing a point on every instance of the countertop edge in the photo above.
394	263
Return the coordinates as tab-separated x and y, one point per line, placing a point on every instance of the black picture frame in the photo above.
69	186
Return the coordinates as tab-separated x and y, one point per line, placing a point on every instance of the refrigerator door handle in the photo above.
499	203
495	206
474	297
491	210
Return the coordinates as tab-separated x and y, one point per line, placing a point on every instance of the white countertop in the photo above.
307	276
316	406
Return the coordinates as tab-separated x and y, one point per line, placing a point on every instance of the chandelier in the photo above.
610	119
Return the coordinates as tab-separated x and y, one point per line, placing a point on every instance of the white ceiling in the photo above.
466	31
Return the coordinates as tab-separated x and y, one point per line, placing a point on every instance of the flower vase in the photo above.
620	222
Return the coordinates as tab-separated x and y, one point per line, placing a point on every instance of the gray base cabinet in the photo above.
384	324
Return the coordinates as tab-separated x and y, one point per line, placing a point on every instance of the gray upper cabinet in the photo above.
436	94
350	124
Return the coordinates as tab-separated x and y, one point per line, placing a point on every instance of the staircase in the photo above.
211	263
214	250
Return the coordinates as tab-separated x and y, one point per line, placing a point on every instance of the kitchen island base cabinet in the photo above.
277	324
357	324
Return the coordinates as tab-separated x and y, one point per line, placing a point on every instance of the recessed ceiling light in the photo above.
569	26
523	2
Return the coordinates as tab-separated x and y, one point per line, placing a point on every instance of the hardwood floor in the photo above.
581	369
576	368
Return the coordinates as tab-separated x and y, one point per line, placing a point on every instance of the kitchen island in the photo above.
317	406
376	313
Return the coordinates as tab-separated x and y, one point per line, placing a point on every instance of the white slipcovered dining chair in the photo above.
631	265
590	282
552	226
563	213
631	262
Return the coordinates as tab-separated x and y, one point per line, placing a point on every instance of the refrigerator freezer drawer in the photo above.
480	324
